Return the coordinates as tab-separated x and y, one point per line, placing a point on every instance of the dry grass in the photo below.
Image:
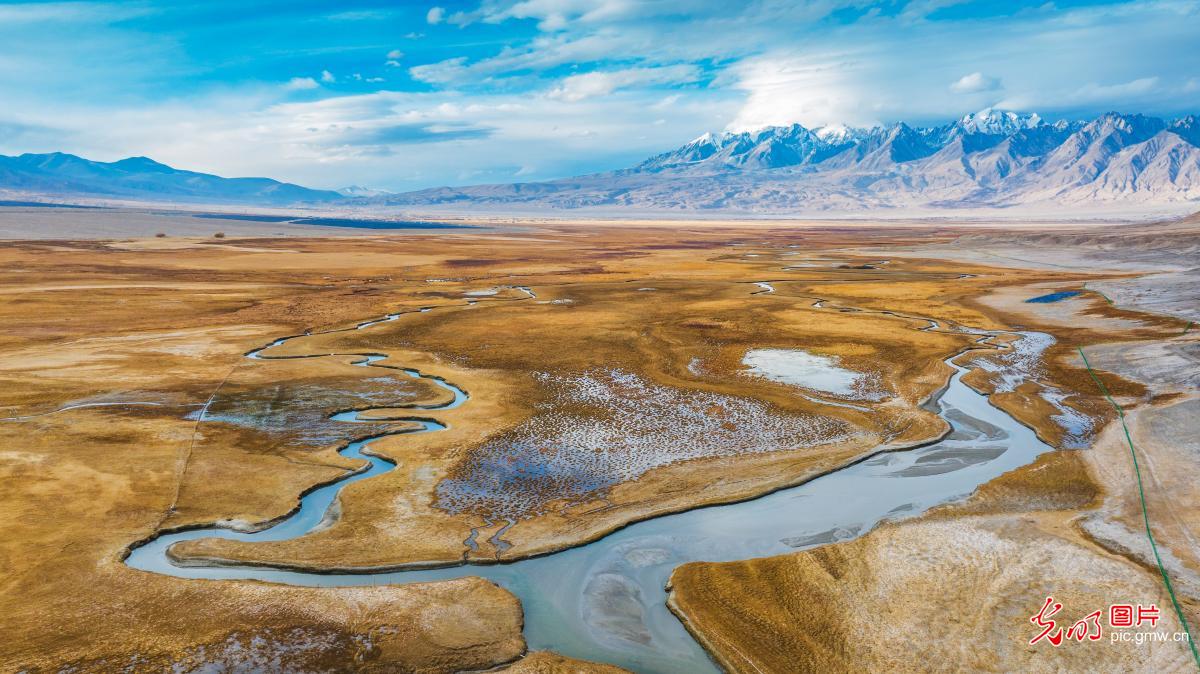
169	322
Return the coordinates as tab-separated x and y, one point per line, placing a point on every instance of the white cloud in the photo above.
919	10
301	84
579	87
327	77
412	139
974	83
392	63
440	72
666	102
1102	92
557	15
812	90
1107	96
435	15
541	54
395	54
59	12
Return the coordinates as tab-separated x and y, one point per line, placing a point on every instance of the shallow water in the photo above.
605	601
1053	297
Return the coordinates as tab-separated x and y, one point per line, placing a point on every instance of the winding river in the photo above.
605	601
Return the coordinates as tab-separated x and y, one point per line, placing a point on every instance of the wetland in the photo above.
534	448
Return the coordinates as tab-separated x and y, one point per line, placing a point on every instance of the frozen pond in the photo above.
796	367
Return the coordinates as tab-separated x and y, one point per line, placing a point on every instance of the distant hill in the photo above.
143	179
990	159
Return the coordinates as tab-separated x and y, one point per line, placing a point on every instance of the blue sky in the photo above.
403	95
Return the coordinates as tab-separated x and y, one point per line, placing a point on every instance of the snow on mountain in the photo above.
1001	122
991	158
837	134
1187	128
360	191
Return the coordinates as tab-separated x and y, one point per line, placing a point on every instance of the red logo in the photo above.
1043	620
1120	615
1088	627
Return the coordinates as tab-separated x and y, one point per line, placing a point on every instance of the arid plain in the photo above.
608	374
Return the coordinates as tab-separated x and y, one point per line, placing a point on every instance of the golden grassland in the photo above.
955	588
166	324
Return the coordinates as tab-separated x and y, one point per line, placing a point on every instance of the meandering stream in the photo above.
605	601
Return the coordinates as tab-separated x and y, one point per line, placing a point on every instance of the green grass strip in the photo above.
1187	327
1106	298
1145	513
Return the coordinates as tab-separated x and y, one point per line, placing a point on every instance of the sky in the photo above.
406	95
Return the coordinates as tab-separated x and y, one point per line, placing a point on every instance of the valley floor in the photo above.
607	372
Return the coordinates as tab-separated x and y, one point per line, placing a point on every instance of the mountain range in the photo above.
141	179
988	159
992	158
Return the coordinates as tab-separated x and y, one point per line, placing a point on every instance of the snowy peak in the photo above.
837	133
764	148
1187	128
1124	128
1020	136
998	122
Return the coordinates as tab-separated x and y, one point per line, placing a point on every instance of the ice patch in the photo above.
796	367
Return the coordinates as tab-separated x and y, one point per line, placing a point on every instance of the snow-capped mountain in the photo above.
988	159
770	147
1002	122
775	147
992	158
